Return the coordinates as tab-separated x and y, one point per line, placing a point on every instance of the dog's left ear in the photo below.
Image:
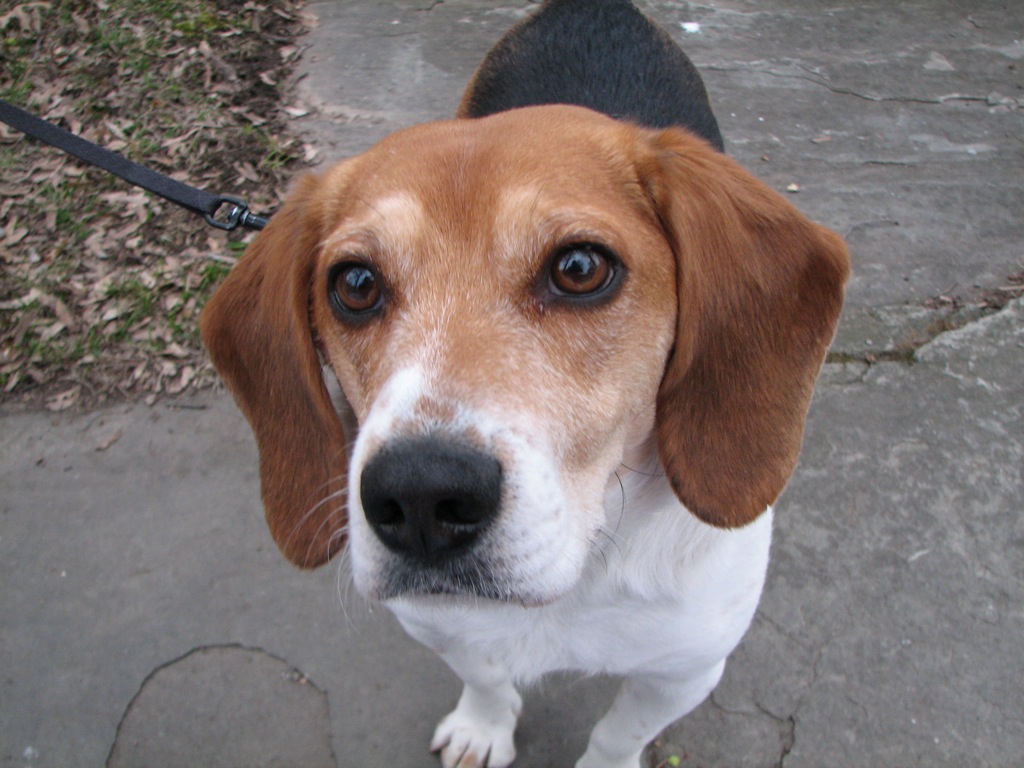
258	331
760	289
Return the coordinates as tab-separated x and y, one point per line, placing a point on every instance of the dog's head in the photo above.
512	306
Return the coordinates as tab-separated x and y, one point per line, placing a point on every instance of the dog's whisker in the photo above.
657	473
599	550
337	534
622	494
344	587
299	524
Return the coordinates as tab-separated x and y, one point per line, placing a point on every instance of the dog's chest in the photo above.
669	595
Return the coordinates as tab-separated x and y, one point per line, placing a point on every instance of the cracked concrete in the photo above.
137	578
227	688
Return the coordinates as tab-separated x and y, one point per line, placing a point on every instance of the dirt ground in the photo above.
101	282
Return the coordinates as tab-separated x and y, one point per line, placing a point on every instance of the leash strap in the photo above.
195	200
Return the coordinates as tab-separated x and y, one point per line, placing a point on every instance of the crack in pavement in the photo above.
142	718
811	76
906	329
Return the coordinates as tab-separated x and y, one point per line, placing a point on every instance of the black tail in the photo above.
601	54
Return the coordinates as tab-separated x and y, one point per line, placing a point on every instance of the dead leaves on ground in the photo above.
102	283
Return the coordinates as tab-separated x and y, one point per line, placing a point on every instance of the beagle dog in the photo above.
545	369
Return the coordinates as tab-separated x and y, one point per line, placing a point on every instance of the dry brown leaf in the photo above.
64	400
14	234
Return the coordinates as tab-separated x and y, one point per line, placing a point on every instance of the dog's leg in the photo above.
642	708
478	732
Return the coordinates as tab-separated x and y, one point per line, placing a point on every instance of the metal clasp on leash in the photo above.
239	215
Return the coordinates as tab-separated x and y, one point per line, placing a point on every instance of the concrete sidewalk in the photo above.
146	618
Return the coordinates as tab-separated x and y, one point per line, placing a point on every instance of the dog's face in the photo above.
516	307
513	307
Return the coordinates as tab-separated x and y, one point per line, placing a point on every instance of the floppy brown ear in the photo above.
258	332
760	289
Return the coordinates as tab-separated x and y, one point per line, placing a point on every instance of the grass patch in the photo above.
101	283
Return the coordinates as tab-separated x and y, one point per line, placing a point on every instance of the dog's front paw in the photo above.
467	740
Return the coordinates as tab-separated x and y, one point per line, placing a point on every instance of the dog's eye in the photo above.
354	290
581	270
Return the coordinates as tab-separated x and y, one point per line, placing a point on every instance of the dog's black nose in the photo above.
430	498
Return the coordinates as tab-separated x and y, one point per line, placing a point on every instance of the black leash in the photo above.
195	200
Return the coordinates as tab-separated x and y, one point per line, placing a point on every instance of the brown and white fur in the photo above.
571	358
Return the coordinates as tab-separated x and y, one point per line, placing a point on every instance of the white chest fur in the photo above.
663	594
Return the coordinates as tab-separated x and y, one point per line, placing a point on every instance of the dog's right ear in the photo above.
257	329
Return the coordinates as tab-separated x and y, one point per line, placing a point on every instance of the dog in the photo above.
545	369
